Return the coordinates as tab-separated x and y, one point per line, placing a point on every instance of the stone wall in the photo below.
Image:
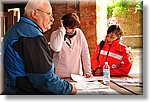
132	26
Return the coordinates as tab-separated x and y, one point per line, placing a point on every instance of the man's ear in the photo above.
34	14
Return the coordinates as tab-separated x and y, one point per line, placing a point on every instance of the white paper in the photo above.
128	82
90	85
79	78
87	83
108	91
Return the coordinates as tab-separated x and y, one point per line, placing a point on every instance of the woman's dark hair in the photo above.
116	29
71	20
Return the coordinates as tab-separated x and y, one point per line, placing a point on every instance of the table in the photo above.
128	89
115	88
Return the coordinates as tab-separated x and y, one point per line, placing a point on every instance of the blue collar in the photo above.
31	22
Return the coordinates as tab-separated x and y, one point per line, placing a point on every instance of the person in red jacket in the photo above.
114	52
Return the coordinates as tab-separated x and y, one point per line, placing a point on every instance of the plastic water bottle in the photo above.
106	73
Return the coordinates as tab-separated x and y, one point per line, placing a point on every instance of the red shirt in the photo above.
117	55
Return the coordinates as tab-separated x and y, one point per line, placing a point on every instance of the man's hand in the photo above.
74	89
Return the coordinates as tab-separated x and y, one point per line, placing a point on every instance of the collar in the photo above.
70	36
24	19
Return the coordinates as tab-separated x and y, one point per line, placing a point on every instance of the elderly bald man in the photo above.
27	57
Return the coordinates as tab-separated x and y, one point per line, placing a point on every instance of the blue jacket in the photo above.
28	64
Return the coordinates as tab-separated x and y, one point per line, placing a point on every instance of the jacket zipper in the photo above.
108	52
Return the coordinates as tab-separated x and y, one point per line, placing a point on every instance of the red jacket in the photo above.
117	55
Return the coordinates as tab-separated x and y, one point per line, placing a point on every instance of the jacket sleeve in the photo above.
85	55
94	61
57	38
39	67
125	66
49	83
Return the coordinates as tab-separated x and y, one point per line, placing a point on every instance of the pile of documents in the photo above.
91	86
87	83
129	82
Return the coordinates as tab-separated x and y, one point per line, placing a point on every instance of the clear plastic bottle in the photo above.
106	73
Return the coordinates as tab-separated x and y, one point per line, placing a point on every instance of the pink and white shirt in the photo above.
73	58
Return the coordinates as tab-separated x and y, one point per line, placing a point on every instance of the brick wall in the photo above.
59	9
88	23
93	21
86	10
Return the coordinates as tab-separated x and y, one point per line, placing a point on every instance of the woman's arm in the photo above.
57	38
85	56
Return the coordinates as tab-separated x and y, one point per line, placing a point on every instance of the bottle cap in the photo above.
106	62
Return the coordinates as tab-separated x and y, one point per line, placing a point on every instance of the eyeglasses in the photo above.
45	12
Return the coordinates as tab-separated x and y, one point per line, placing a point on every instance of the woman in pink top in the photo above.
71	53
